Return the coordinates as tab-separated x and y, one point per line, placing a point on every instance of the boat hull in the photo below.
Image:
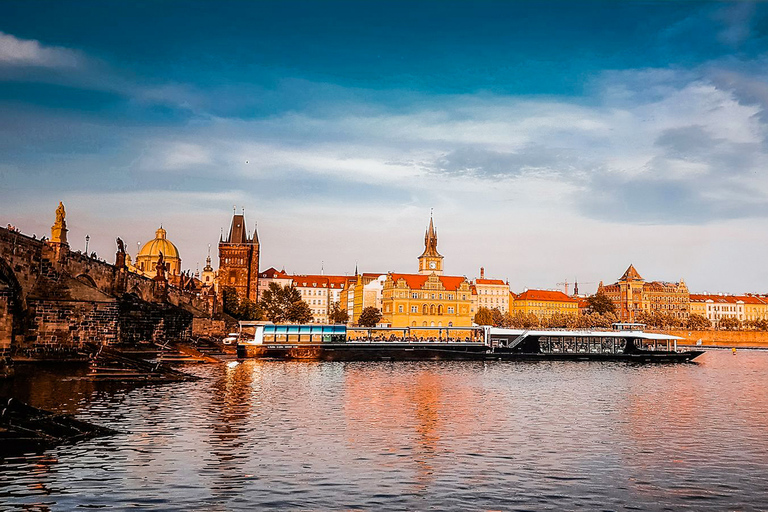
438	352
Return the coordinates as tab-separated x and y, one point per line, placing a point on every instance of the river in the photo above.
409	436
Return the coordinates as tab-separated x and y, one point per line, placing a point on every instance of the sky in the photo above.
553	140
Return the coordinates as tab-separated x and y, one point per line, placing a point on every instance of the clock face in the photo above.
432	264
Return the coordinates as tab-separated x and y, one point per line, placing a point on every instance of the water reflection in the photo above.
410	436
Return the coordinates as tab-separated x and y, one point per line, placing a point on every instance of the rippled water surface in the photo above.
452	435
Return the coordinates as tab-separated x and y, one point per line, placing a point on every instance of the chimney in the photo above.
482	272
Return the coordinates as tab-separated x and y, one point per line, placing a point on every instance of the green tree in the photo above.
600	303
369	317
483	316
338	314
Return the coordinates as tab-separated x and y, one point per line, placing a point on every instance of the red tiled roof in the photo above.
725	299
310	281
273	273
631	274
416	281
489	281
546	295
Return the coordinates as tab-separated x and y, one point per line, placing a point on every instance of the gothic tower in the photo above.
430	261
239	260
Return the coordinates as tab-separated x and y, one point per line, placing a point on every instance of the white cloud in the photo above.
29	52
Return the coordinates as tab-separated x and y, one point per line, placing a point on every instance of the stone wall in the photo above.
723	338
74	322
6	320
205	327
140	321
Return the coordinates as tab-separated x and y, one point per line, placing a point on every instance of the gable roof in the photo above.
273	273
631	275
416	281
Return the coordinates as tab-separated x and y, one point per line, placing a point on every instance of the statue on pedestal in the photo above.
160	268
120	256
59	228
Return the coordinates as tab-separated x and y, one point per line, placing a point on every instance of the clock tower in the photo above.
430	261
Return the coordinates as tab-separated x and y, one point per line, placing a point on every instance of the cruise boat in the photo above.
341	343
626	342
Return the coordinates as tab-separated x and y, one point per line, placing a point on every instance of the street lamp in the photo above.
87	239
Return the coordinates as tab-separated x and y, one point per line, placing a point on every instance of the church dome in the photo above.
153	248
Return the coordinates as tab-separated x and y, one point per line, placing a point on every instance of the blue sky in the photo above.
553	139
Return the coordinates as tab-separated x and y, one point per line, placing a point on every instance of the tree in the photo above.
369	317
729	323
338	314
483	316
496	317
231	301
240	309
299	312
249	310
279	304
600	303
698	322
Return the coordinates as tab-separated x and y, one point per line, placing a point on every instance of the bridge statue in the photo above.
59	228
160	267
120	256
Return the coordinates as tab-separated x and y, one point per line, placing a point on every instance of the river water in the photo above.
415	436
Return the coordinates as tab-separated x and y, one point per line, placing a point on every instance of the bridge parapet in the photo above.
51	295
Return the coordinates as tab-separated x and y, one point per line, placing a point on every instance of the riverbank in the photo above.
722	339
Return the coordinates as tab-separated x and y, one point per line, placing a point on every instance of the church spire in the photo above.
430	261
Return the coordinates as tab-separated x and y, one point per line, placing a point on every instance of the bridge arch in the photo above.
13	307
85	278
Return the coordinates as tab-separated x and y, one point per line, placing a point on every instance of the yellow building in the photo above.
427	299
146	260
755	308
362	291
415	300
545	303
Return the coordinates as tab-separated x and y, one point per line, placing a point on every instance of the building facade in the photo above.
489	293
632	295
545	303
239	260
320	293
362	291
429	298
716	307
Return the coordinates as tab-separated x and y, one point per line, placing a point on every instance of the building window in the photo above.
400	308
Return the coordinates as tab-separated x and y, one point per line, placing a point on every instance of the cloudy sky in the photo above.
553	140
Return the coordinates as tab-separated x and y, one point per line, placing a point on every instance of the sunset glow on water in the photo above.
412	436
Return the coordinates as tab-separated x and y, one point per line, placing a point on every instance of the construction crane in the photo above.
575	285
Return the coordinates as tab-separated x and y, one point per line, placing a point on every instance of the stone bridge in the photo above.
51	296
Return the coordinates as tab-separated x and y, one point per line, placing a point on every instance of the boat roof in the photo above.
604	334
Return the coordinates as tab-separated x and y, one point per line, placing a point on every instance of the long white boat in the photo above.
338	342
